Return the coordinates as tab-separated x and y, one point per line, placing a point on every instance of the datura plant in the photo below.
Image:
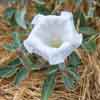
54	37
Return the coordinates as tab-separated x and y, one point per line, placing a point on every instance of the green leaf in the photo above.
9	47
21	75
16	39
20	18
27	62
69	74
91	11
68	82
12	1
70	77
7	72
15	62
42	9
73	73
10	69
17	43
48	86
62	67
39	2
79	15
74	60
89	46
78	2
52	69
9	13
88	31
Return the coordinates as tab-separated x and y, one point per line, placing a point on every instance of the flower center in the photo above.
56	42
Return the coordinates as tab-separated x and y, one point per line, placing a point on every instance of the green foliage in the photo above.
90	45
16	39
15	15
73	73
39	2
74	60
20	18
9	47
87	31
9	13
22	74
12	1
78	15
7	72
26	61
70	78
42	9
78	2
68	82
69	72
48	86
52	70
15	62
11	69
15	44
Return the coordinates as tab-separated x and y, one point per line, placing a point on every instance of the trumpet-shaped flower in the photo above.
53	37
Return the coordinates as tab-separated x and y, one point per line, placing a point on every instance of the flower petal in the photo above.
36	19
66	14
36	46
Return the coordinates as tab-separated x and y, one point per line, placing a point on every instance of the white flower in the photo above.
53	37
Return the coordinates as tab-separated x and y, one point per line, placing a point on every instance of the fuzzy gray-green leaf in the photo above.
21	75
7	72
68	82
48	86
20	18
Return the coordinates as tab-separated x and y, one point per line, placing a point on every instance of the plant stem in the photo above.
62	67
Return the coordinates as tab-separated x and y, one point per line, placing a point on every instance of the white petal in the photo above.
66	14
36	46
36	19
